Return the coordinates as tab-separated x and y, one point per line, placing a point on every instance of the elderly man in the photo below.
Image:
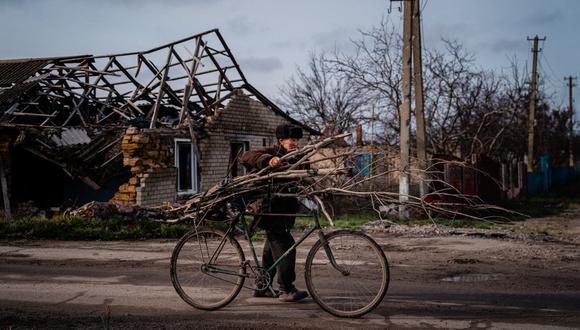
277	227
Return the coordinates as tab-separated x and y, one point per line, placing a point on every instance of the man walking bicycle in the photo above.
278	223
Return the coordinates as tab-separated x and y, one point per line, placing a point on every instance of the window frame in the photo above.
245	147
194	182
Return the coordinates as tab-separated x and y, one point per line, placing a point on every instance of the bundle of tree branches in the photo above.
336	178
267	181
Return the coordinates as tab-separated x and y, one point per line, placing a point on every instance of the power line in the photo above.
557	86
550	67
552	76
526	69
549	80
547	77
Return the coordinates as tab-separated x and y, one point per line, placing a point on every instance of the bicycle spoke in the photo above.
203	285
362	288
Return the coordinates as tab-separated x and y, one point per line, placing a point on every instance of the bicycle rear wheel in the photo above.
355	281
201	284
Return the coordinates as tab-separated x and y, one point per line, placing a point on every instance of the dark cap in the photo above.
286	131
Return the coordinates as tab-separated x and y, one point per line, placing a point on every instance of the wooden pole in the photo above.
373	166
4	185
405	110
533	97
419	98
571	86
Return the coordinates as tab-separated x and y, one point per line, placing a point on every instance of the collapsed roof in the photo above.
72	111
160	87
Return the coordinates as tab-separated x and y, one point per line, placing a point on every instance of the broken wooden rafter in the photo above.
91	99
195	57
155	111
151	86
83	69
184	106
217	92
117	155
80	82
32	114
183	64
229	85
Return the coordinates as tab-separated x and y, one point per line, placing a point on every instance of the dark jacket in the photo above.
258	159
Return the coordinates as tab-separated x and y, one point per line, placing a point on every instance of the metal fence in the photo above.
549	177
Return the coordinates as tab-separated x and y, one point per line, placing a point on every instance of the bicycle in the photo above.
209	268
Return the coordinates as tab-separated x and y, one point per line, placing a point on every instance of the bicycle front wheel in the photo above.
347	273
207	268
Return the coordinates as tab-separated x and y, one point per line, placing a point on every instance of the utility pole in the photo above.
571	85
419	99
4	187
405	112
533	97
412	66
373	166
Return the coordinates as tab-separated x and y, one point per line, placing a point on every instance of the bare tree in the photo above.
375	70
469	110
322	98
450	79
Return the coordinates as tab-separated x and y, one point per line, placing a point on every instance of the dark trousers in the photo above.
277	243
279	240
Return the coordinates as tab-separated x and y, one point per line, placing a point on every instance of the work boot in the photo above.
265	293
293	295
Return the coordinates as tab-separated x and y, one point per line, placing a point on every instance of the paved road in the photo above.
445	283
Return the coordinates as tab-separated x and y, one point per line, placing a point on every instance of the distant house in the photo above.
139	128
374	163
379	167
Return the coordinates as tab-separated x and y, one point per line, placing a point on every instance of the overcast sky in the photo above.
270	38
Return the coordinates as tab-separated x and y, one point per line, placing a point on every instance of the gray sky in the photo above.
270	38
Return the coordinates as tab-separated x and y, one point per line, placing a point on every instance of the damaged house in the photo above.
138	128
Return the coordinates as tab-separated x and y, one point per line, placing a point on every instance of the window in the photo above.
186	164
362	164
236	150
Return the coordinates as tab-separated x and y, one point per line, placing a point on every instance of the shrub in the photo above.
76	228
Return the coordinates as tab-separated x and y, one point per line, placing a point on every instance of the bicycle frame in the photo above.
306	234
245	228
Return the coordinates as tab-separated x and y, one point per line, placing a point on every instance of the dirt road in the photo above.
453	280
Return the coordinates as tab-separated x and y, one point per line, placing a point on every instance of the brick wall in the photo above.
157	187
150	155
